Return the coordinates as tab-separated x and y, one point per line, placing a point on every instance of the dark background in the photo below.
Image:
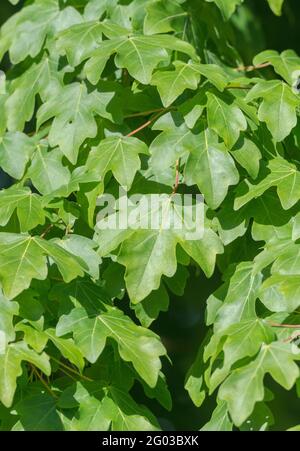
182	326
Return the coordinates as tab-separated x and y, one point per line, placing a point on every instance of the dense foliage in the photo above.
152	95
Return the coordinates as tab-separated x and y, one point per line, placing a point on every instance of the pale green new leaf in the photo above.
280	292
276	6
8	310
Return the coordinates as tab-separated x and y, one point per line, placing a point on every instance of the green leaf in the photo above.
171	84
78	41
248	155
119	155
33	24
278	107
29	207
67	348
41	78
211	167
32	337
145	53
163	17
135	344
294	429
37	412
244	387
284	176
169	146
286	64
280	293
128	416
8	310
276	6
148	310
227	120
73	110
151	252
46	171
239	303
15	151
11	368
23	258
84	248
87	36
194	382
220	420
244	339
227	7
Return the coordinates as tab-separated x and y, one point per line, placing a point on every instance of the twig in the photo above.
146	124
47	230
71	369
288	326
147	113
43	382
251	68
292	337
237	87
176	184
139	128
67	374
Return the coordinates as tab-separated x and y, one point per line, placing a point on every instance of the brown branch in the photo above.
251	68
146	124
287	326
47	230
176	184
293	337
147	113
237	87
43	382
139	128
71	369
